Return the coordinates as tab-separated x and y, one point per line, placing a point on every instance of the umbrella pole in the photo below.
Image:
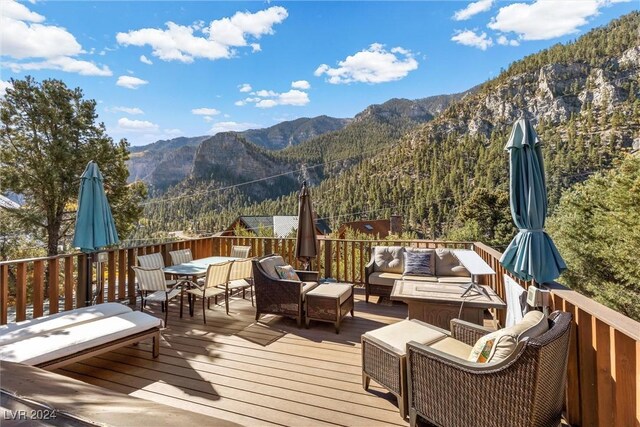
89	281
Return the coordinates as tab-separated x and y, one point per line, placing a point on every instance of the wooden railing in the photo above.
603	387
603	375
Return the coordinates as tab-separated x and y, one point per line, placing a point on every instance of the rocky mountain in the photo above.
293	132
583	98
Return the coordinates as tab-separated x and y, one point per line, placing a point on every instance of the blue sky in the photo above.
164	69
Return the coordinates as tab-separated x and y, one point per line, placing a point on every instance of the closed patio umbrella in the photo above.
531	254
306	238
95	227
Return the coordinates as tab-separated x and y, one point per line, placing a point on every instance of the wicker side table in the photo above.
384	355
329	302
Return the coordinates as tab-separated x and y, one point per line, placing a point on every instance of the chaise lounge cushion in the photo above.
47	324
389	259
73	339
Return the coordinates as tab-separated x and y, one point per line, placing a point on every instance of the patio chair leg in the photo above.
204	310
166	312
226	301
251	289
191	304
156	346
365	381
413	417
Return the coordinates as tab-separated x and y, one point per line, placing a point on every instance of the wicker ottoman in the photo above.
329	303
384	355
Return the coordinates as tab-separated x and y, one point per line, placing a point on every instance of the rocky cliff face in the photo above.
290	133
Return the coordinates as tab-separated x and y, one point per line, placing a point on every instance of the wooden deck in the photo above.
267	373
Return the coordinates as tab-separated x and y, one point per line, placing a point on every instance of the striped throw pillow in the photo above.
417	264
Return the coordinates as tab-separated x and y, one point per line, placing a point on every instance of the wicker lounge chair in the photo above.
279	296
524	389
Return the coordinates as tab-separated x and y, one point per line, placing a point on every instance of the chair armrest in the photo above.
308	276
369	268
467	332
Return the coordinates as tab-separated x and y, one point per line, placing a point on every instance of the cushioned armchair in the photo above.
526	388
280	296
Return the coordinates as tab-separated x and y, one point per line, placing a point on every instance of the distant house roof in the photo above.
282	225
8	203
376	227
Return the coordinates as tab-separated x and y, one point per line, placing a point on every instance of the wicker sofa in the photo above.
387	265
278	296
525	389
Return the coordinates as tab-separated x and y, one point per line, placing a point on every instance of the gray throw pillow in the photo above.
417	264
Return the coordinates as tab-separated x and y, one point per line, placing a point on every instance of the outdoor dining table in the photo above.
192	270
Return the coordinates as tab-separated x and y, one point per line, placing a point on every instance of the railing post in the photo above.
131	276
21	291
53	271
4	293
327	257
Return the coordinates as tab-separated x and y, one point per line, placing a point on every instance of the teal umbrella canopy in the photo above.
95	227
531	254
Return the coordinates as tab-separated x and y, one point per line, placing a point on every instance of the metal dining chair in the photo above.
241	277
181	256
154	260
152	286
240	251
215	283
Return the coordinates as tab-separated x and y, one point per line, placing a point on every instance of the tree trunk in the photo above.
53	238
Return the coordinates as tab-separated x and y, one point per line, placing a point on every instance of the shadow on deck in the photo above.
266	373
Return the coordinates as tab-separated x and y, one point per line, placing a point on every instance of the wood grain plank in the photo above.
38	288
53	271
572	405
111	279
21	291
587	370
68	283
4	293
131	276
627	404
122	273
605	375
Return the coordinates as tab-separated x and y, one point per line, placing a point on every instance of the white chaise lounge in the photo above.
56	340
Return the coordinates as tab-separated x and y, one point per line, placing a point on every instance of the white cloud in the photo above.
25	36
232	127
504	41
62	63
470	38
4	86
270	98
543	20
130	82
136	125
255	47
145	60
266	103
129	110
245	87
179	43
473	9
372	65
300	84
19	12
205	111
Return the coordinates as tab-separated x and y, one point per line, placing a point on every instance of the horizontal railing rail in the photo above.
603	374
603	385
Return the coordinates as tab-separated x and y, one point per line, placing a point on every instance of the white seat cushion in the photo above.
431	279
384	279
334	290
399	334
453	347
308	286
42	325
73	339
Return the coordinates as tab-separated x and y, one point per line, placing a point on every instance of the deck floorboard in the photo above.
266	373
